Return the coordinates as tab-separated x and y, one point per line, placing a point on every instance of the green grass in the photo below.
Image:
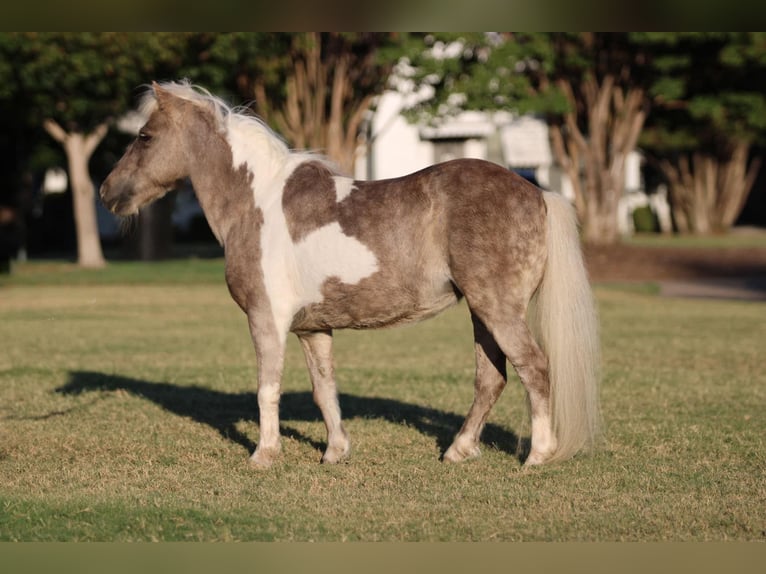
127	413
170	272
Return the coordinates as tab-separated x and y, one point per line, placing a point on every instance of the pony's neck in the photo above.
255	146
230	170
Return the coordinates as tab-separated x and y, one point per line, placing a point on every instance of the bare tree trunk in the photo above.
735	183
707	193
680	194
79	148
595	163
319	113
152	238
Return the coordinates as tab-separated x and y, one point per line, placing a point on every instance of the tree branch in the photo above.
598	118
55	130
95	137
569	163
571	117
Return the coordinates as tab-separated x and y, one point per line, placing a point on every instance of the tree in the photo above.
313	88
74	85
591	87
710	109
79	147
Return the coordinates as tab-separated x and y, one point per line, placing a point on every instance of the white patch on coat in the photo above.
328	252
268	162
343	187
293	274
279	267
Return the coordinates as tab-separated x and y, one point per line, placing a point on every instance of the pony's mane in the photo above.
229	117
201	97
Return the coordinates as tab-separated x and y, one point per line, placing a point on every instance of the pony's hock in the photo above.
309	250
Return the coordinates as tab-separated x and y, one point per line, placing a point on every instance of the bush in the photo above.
645	220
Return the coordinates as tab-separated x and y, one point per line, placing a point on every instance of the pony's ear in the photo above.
163	96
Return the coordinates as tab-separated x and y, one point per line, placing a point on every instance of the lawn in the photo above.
128	411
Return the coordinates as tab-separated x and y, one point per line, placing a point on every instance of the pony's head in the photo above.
156	161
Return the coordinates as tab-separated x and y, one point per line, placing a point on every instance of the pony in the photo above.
309	250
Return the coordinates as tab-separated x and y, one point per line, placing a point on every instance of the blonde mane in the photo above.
235	119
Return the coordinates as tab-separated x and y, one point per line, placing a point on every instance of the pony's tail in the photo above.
563	318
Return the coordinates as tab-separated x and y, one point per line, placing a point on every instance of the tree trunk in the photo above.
152	239
600	226
320	112
735	183
708	192
79	148
595	161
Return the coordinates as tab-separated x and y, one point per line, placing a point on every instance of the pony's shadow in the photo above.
222	411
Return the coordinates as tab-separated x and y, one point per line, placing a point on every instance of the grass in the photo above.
127	413
170	272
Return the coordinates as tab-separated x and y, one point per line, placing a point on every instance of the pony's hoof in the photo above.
537	458
459	454
263	459
334	455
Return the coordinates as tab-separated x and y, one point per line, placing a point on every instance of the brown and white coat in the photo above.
309	250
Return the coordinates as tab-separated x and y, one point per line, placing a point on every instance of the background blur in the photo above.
644	132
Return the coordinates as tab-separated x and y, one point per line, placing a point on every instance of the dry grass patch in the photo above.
128	413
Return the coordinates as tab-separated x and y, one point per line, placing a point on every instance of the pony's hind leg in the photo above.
489	384
531	365
317	347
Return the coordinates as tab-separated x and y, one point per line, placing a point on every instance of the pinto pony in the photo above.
309	250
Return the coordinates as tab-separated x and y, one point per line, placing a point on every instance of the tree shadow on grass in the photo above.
222	411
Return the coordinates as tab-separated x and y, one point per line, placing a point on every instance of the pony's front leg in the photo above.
317	347
270	349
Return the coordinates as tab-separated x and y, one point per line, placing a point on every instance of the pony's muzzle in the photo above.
116	198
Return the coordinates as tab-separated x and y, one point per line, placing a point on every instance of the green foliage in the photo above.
519	71
225	63
703	85
81	79
709	90
482	68
233	63
644	220
668	88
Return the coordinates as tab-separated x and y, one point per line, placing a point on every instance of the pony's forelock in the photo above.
228	116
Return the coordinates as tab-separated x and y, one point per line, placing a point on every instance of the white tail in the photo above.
563	319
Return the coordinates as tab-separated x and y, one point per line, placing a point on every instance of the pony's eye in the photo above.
144	137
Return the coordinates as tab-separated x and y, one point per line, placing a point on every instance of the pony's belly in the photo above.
374	308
